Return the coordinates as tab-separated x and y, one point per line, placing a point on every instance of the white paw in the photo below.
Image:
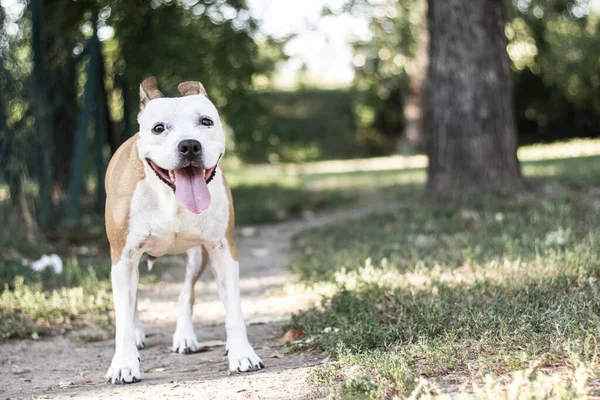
140	337
242	357
184	339
125	368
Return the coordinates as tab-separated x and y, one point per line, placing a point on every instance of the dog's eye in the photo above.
158	128
206	121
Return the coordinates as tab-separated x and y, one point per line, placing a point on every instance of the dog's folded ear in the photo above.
149	91
190	88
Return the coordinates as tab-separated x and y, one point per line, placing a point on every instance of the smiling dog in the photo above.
165	194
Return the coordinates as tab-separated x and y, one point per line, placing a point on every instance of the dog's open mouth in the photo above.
190	184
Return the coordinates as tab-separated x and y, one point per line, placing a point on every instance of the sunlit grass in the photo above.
267	193
560	150
549	235
487	299
479	290
532	382
33	304
294	173
27	311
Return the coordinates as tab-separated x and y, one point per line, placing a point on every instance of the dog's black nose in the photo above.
190	148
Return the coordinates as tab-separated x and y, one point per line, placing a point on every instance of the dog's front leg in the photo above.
125	367
225	269
184	338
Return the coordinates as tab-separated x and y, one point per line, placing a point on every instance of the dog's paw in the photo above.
242	357
125	368
184	340
140	337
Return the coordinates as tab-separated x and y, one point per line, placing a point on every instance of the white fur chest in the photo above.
162	226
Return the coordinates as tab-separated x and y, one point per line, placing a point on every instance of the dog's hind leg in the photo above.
184	338
140	334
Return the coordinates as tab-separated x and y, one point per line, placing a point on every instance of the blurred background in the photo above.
295	83
488	109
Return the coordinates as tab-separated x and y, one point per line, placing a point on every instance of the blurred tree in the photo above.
305	125
207	40
470	113
41	109
554	47
388	73
16	119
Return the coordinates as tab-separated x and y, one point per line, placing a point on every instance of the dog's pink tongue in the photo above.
191	190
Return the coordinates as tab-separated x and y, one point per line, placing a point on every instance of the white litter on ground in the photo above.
47	261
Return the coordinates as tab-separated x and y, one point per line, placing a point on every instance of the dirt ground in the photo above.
66	367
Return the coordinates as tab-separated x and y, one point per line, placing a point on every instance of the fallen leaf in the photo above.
292	334
18	370
210	344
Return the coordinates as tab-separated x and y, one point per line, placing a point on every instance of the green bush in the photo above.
306	125
28	311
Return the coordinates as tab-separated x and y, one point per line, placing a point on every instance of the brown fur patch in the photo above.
124	171
190	88
149	91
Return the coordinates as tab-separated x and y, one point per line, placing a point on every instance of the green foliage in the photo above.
553	47
208	41
27	311
73	275
456	293
34	304
384	65
305	125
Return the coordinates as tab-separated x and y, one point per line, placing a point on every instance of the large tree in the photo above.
470	116
46	53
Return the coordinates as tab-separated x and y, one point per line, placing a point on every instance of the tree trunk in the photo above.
413	138
43	124
470	117
63	98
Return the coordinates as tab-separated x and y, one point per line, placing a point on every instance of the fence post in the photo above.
81	137
43	124
100	138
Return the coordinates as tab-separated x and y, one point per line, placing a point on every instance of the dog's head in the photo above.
182	140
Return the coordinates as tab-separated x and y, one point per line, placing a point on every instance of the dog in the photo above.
165	194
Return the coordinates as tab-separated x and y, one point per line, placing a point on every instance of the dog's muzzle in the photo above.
189	182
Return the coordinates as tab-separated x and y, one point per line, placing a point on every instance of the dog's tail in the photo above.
150	262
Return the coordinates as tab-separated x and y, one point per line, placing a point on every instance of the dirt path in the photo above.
65	367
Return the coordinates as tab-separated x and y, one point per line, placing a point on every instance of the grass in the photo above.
34	304
486	299
415	297
27	311
270	193
272	202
